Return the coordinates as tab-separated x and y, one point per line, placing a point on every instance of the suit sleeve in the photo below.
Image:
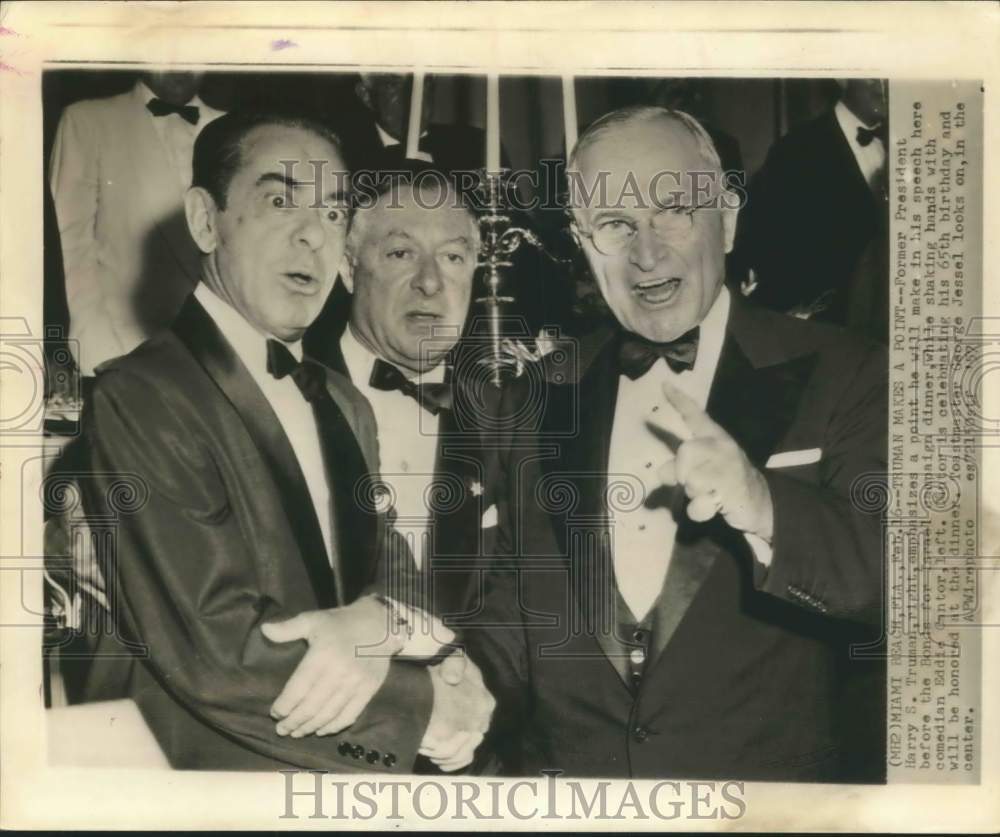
827	546
495	638
75	182
191	588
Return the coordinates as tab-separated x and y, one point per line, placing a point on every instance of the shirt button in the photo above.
656	408
642	527
648	465
637	656
640	734
639	635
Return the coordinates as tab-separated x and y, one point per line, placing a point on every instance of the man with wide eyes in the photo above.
250	572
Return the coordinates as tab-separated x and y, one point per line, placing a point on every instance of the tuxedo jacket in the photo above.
129	259
462	502
809	216
214	533
745	666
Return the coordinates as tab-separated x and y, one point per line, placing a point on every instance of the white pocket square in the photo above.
791	458
490	517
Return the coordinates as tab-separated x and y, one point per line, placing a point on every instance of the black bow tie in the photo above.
189	113
432	397
309	376
866	135
636	355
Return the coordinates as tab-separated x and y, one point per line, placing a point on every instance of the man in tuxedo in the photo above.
411	257
118	172
250	531
681	568
814	228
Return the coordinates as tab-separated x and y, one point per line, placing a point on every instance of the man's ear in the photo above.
201	211
346	272
729	216
362	91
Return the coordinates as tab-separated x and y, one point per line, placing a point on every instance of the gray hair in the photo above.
641	114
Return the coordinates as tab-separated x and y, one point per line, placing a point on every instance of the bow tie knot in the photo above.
432	397
866	135
309	376
158	107
636	356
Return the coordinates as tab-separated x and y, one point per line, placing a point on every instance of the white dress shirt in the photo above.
177	134
643	538
388	140
870	157
294	413
408	441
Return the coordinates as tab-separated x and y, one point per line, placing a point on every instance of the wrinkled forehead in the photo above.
429	213
641	165
297	153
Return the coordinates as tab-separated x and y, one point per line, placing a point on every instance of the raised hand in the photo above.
461	715
714	472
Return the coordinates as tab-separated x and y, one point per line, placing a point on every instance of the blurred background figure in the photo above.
375	135
814	228
118	171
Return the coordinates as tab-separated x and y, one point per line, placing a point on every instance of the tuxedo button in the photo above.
389	759
344	748
640	734
637	656
372	757
639	635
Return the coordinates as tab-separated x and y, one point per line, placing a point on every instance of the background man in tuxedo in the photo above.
687	566
250	459
814	228
118	172
410	263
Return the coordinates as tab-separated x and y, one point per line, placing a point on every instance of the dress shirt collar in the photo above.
359	360
249	344
387	139
712	334
145	95
849	124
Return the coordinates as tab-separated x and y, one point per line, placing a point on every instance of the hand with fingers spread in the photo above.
714	471
461	714
350	649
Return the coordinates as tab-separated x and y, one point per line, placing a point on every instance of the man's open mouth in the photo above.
304	281
657	291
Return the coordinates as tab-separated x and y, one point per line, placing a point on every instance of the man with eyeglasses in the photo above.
683	568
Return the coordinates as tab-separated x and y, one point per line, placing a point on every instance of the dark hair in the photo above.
218	151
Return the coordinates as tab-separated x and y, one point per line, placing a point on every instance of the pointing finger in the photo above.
695	418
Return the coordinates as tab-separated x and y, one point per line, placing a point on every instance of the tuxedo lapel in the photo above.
195	328
754	396
578	421
457	506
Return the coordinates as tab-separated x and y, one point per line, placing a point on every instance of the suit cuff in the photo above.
422	633
762	551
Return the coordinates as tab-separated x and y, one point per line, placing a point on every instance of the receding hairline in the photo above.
358	231
636	116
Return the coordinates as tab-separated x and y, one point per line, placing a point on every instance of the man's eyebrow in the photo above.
276	177
336	195
459	239
610	213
